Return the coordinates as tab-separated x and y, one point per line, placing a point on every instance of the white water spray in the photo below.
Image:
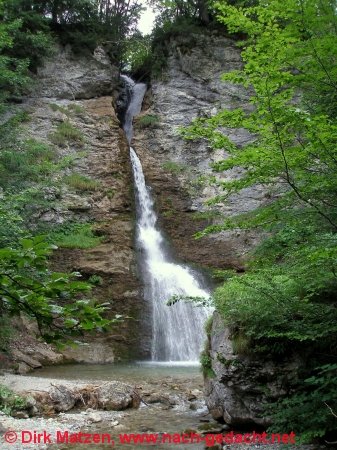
178	330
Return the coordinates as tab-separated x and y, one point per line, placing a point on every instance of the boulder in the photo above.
63	398
28	360
116	396
23	368
95	417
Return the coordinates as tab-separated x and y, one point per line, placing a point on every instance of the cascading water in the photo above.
177	330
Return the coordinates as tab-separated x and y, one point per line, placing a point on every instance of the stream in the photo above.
152	418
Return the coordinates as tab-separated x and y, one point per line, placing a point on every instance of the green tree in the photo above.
173	10
138	55
117	22
13	71
83	24
287	299
27	286
31	40
295	144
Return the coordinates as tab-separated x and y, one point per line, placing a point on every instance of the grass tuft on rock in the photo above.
75	235
81	183
66	133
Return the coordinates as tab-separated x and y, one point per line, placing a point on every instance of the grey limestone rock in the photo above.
243	385
66	76
115	395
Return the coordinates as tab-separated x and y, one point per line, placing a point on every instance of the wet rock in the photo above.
158	397
190	397
174	400
196	393
23	368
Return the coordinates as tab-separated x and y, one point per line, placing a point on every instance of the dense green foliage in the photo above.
74	235
13	70
311	411
9	401
146	56
286	301
27	286
32	39
29	28
169	11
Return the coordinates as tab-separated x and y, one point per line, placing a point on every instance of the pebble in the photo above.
196	392
95	417
21	415
73	422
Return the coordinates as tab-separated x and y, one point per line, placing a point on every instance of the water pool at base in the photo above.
127	372
153	418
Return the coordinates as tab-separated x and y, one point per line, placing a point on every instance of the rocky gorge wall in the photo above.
81	92
238	387
176	169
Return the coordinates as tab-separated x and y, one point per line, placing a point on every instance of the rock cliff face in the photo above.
242	385
81	92
176	168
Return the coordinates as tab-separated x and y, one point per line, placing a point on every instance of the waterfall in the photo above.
177	330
